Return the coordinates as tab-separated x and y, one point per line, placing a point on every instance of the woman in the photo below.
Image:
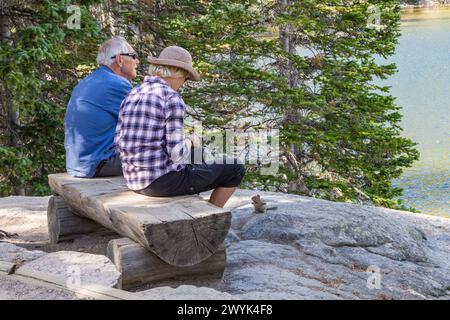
150	137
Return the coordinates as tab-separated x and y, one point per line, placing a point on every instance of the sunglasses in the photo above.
131	55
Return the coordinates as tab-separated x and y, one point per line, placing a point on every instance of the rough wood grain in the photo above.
65	224
139	266
182	231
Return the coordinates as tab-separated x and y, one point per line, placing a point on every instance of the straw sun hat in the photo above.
176	57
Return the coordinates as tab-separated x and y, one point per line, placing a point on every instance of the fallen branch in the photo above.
4	234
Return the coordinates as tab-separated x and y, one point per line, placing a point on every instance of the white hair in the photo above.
166	71
111	48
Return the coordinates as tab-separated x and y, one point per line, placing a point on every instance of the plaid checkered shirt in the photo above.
150	135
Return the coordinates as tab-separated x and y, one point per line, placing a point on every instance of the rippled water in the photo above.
422	88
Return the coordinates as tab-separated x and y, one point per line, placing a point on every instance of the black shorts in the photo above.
110	167
196	178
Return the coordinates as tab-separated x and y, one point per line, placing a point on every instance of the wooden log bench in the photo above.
135	263
181	231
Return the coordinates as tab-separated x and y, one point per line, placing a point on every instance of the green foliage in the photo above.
314	80
338	122
340	134
40	63
18	172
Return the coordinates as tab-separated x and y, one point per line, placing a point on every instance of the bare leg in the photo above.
221	195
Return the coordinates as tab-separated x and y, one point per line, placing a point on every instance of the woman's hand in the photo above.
195	140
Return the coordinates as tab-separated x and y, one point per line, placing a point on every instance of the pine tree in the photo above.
41	59
341	131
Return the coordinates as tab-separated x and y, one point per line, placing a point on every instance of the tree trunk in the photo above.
290	73
12	117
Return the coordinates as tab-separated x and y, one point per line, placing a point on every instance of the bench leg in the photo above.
139	266
63	224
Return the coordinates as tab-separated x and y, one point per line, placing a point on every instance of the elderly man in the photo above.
92	112
150	137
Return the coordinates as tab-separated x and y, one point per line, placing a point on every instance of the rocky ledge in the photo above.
303	249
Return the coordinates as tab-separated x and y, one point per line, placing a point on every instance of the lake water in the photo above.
422	89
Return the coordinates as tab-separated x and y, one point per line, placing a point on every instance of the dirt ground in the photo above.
28	219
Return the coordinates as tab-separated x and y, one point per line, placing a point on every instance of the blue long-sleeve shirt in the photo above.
91	119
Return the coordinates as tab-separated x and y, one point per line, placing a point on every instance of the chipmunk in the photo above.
260	205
